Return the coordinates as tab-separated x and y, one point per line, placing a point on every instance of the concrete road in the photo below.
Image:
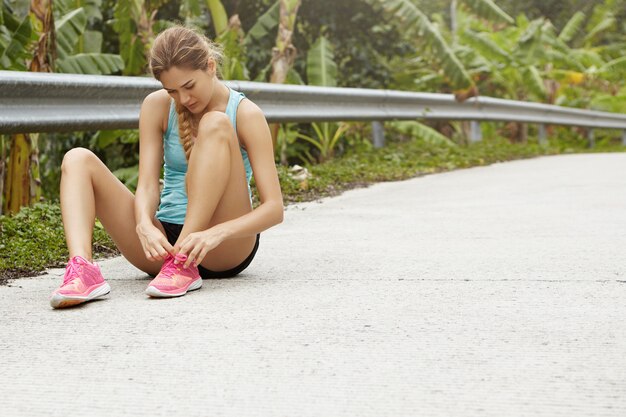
492	291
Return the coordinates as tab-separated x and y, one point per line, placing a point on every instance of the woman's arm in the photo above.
152	124
254	134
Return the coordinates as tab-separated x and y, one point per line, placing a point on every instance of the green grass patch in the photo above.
398	161
33	240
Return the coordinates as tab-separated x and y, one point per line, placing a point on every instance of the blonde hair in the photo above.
181	47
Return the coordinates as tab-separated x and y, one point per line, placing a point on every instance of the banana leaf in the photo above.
69	28
321	67
94	63
415	21
266	24
218	16
489	10
572	27
16	41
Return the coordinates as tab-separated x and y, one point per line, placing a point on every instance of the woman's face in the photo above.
190	88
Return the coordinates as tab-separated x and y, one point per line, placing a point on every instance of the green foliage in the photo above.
218	16
321	67
415	156
129	176
234	65
417	24
133	22
572	27
78	50
326	138
17	39
488	9
265	25
33	240
94	63
422	131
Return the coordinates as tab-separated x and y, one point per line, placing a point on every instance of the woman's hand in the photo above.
154	243
196	245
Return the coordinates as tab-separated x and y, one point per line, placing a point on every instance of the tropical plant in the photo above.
134	21
322	71
79	49
418	25
21	182
284	53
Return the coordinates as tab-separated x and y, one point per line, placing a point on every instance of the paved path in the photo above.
493	291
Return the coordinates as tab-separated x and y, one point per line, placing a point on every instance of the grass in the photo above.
33	240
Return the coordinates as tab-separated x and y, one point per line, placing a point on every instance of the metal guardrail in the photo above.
41	102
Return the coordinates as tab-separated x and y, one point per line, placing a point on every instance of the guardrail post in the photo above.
543	139
591	137
624	137
476	133
378	134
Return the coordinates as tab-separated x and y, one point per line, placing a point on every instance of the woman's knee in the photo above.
77	159
216	127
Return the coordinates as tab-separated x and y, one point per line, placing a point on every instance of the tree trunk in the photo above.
17	180
22	184
284	53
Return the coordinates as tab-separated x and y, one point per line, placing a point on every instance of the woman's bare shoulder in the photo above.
157	104
157	99
252	126
247	108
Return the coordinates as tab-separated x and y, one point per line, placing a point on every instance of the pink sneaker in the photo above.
174	280
82	282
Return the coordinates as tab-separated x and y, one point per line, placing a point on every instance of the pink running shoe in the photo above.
82	282
174	280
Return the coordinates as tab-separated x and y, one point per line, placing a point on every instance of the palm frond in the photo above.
219	18
321	68
564	60
489	10
485	46
534	81
94	63
606	23
16	42
92	8
572	27
68	29
607	102
293	77
265	24
587	57
414	20
614	67
422	132
531	32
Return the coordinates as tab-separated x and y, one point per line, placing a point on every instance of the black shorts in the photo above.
172	231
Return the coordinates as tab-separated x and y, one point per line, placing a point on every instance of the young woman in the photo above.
202	224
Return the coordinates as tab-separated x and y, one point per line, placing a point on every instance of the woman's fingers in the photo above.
167	246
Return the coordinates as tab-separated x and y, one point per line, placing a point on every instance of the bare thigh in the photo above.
114	205
234	203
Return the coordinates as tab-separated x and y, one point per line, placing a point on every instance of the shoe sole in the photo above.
62	301
154	292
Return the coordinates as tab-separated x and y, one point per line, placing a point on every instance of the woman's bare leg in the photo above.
89	189
217	189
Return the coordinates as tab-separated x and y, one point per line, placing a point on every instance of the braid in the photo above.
185	131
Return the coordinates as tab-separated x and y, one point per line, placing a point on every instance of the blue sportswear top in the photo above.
173	206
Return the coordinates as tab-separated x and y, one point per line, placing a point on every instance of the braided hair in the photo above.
181	47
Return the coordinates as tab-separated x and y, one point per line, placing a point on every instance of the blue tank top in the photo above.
173	206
